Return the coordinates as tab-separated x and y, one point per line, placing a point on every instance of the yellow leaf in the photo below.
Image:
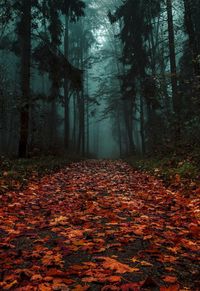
134	260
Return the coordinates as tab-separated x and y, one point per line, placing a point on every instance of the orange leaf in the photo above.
114	279
170	279
44	287
131	286
36	277
114	265
55	273
11	285
63	280
51	259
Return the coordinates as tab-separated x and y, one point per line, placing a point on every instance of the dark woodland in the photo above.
99	145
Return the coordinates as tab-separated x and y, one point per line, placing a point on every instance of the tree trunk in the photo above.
74	133
79	120
25	42
66	86
142	127
82	101
83	124
172	53
87	116
119	131
128	116
192	37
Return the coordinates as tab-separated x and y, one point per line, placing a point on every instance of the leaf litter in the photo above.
99	225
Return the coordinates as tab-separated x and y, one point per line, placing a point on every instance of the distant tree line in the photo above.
159	85
147	73
47	64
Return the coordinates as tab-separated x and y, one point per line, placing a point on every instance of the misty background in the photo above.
104	79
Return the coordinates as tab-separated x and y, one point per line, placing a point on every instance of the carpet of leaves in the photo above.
99	225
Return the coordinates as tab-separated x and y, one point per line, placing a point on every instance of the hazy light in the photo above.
100	35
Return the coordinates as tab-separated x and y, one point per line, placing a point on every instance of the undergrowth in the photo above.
15	173
179	170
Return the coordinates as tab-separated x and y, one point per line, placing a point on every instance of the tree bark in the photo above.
142	126
176	105
66	86
172	53
25	41
128	117
192	37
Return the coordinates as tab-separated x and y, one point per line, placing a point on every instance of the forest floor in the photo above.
99	225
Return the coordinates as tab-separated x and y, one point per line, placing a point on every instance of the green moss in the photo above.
167	168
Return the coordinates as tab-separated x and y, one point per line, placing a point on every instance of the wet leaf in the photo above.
170	279
114	265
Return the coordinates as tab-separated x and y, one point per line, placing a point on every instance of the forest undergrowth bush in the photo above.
179	169
15	173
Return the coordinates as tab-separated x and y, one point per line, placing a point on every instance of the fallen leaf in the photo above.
114	265
114	279
170	288
36	277
11	285
60	287
170	279
144	263
110	288
44	287
134	286
80	288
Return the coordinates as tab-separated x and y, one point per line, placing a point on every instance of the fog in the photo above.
103	79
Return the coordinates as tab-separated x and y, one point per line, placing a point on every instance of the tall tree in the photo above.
192	24
172	54
66	86
24	33
134	34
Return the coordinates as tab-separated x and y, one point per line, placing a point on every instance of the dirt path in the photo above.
98	225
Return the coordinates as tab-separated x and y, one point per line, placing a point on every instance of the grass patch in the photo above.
174	170
15	173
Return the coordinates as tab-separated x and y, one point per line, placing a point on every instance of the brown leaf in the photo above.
11	285
60	287
110	288
170	288
114	265
56	273
36	277
80	288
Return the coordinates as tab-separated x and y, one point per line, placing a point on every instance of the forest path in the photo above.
98	225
